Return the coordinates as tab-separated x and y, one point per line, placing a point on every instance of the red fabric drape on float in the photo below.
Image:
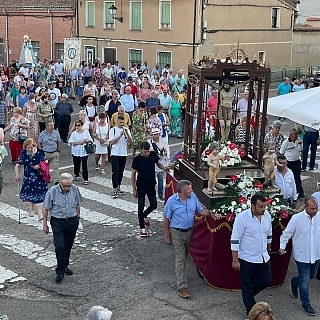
211	253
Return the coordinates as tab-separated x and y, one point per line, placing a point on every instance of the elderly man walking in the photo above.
63	203
50	142
178	221
304	228
63	109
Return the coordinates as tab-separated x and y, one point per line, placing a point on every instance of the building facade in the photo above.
306	45
46	24
173	31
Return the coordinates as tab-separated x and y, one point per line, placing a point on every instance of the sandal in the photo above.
102	171
97	168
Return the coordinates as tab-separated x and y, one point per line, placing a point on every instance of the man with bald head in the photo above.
121	112
304	228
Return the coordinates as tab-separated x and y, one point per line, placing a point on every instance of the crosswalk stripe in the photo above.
28	249
108	183
117	203
6	274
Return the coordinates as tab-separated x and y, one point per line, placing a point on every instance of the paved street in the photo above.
113	267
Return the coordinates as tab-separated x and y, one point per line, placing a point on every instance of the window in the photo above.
108	22
36	48
165	14
60	50
136	15
262	56
163	58
90	14
135	57
275	18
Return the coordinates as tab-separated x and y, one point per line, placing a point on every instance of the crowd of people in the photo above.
140	109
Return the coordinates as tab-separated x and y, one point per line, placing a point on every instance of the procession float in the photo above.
235	172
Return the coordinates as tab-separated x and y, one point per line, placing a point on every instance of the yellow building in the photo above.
162	31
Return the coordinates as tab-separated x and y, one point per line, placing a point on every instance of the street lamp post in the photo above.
113	12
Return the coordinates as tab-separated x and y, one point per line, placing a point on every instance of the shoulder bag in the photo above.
90	147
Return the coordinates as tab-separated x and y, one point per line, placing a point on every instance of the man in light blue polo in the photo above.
178	223
284	87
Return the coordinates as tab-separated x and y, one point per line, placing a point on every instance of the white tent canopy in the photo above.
302	107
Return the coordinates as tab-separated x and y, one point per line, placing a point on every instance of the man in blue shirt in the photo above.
178	221
284	87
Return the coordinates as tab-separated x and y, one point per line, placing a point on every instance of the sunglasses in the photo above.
78	125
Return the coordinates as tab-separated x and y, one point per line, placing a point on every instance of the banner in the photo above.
72	51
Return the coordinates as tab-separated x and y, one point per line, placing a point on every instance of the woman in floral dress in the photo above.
139	126
33	187
30	111
97	76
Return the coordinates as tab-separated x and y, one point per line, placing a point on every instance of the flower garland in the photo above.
230	155
239	192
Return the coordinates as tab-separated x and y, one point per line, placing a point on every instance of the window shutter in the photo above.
108	17
165	12
90	14
136	10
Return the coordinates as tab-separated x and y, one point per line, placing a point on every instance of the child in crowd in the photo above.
8	99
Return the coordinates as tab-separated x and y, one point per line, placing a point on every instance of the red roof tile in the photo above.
313	19
36	4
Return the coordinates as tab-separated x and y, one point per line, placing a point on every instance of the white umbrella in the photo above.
302	107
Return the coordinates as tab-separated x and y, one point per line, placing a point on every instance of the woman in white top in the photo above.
86	124
101	135
90	110
77	141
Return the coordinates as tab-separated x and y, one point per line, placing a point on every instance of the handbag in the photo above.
105	143
44	167
22	138
90	147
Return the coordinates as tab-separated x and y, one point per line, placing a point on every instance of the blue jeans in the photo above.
67	90
309	139
254	278
160	184
306	272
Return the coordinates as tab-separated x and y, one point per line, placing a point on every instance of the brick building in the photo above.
45	22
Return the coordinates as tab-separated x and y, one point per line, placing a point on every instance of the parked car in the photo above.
316	78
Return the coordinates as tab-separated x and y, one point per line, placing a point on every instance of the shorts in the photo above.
224	113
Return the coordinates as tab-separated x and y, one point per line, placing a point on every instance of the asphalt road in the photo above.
112	265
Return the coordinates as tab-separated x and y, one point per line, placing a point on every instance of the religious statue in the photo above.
269	162
213	162
227	92
27	54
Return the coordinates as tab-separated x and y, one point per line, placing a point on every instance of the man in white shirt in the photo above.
165	100
55	96
25	71
285	181
119	137
129	102
250	241
242	106
58	67
304	229
291	148
107	71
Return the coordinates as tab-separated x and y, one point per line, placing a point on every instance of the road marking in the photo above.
28	249
108	183
6	274
117	203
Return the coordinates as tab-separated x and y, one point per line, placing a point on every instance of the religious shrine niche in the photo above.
227	79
